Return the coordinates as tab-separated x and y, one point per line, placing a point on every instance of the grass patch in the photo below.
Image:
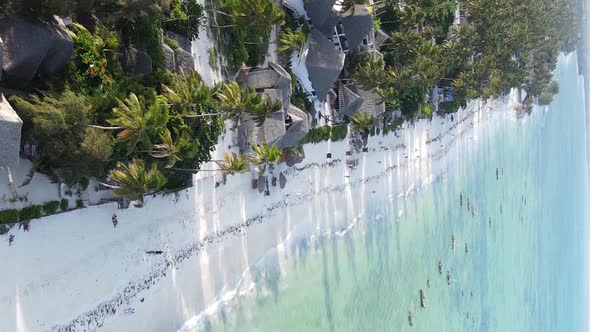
213	59
325	133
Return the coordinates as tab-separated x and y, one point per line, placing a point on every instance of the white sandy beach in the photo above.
75	272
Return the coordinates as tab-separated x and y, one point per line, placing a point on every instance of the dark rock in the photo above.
169	57
182	41
294	156
33	48
282	180
87	20
136	62
184	61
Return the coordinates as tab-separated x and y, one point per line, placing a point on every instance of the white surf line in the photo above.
94	318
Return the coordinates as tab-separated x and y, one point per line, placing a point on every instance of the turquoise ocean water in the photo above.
524	265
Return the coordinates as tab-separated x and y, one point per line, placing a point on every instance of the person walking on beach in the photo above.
115	221
10	240
26	227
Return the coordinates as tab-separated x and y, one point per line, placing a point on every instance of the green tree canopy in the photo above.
66	147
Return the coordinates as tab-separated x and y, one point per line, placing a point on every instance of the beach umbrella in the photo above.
282	180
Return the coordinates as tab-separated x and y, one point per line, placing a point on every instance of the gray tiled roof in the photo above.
284	96
324	63
297	130
272	77
321	14
274	82
10	132
357	23
355	99
372	102
349	102
249	134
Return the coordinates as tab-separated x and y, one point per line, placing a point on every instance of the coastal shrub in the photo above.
79	203
171	43
64	204
67	148
145	34
31	212
9	216
88	68
213	58
51	207
325	133
427	111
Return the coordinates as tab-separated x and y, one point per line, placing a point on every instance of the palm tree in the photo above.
265	155
135	180
233	163
260	15
362	122
169	148
236	100
139	124
264	110
291	40
189	95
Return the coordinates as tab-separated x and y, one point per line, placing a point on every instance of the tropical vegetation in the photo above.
135	179
496	45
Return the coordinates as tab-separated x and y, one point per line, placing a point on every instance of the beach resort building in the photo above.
335	35
287	126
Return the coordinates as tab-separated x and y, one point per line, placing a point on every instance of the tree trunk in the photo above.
195	170
202	115
223	26
109	186
106	128
260	43
219	12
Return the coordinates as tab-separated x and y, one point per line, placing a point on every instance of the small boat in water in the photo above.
411	318
440	266
449	279
453	241
422	298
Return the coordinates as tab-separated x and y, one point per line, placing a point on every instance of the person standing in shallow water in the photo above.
115	221
10	240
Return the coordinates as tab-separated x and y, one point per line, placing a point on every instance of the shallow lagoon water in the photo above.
517	265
